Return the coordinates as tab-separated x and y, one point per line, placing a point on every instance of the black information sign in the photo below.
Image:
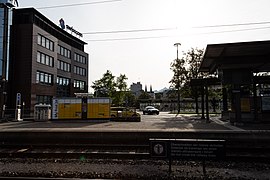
191	149
197	149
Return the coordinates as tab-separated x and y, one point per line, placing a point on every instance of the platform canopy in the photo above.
252	56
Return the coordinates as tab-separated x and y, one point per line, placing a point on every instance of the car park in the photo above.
150	110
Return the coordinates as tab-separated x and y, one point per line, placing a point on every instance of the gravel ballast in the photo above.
131	169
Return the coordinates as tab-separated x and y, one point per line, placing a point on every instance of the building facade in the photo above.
46	61
136	89
5	22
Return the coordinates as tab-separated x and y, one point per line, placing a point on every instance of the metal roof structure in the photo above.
253	56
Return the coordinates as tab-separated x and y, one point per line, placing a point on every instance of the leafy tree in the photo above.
107	86
184	70
194	58
144	96
179	76
121	85
180	73
131	99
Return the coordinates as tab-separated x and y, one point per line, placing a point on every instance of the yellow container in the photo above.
71	108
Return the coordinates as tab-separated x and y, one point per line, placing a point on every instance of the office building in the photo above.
46	60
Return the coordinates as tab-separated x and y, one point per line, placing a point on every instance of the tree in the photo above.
144	96
107	86
180	73
131	99
121	84
179	77
186	69
194	58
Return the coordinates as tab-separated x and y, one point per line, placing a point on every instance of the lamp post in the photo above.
178	81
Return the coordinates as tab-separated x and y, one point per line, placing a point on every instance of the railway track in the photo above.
247	145
233	152
75	152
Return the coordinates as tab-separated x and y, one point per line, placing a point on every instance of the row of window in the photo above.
45	59
45	42
44	99
48	44
64	51
45	78
79	58
79	70
63	66
79	84
62	81
49	61
65	82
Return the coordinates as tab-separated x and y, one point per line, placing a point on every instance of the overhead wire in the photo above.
160	29
125	39
237	24
129	31
236	30
78	4
155	37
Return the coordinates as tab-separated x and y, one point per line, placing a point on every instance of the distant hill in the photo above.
162	90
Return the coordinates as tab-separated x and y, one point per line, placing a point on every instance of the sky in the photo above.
137	37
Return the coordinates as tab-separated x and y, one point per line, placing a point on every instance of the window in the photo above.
63	87
44	78
63	51
79	58
45	59
79	84
38	57
63	66
45	42
39	39
63	81
79	70
44	99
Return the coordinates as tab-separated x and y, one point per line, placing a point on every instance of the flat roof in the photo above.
57	29
254	56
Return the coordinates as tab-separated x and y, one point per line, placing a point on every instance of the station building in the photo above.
46	61
243	69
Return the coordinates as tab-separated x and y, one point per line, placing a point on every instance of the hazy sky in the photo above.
145	56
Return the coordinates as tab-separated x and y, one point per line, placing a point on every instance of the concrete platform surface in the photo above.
163	122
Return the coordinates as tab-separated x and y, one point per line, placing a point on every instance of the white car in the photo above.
150	110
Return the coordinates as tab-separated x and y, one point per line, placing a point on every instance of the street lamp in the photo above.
178	81
177	44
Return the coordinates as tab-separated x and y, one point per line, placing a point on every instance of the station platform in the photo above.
163	122
164	126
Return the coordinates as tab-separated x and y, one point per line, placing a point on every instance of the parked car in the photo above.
150	110
123	113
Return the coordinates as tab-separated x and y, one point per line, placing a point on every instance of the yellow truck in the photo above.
81	108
